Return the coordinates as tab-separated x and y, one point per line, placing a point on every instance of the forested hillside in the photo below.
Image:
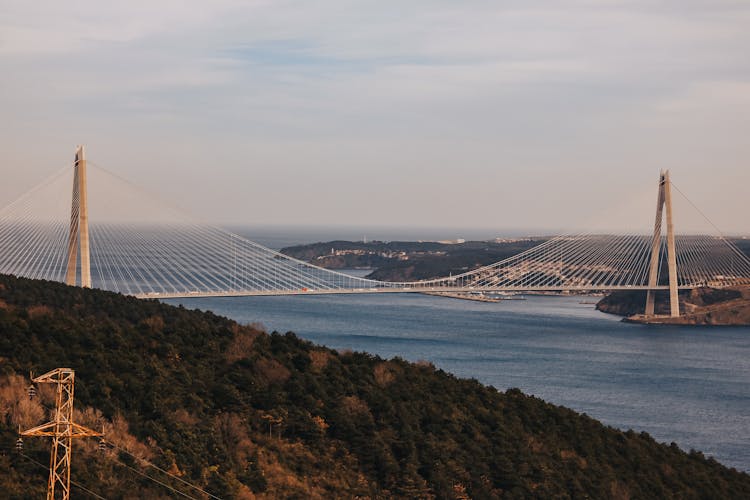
245	414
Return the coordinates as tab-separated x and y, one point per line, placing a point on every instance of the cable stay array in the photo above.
144	247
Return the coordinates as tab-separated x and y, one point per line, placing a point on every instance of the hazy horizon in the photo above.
279	236
536	116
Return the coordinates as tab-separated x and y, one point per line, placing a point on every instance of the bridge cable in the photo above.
724	238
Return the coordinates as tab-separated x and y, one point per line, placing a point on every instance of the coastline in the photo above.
703	306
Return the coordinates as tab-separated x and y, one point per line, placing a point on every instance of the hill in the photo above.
419	260
410	260
246	414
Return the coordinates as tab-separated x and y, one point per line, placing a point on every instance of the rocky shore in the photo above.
699	306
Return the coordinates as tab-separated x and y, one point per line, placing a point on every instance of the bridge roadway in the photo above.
394	289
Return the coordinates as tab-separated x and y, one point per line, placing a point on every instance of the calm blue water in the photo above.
687	385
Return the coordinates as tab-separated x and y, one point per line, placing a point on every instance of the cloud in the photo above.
487	92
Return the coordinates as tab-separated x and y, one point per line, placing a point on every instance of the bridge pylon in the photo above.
79	225
664	199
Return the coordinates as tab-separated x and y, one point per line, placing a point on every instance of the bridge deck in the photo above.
344	291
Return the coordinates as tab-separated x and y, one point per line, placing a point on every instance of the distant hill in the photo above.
245	414
410	260
419	260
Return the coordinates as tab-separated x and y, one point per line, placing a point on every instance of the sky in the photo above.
508	115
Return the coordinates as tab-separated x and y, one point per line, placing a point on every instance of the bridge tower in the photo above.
79	224
664	199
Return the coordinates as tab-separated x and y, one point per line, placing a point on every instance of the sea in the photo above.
683	384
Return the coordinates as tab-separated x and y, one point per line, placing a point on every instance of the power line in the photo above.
77	485
143	460
150	464
154	480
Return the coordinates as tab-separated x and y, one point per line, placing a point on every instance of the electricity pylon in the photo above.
62	430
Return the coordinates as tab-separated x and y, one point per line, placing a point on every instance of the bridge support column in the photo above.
79	225
664	199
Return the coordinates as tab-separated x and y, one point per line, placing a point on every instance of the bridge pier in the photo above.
664	199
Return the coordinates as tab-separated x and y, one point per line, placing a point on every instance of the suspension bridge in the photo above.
164	253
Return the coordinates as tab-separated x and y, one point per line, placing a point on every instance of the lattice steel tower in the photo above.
62	430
